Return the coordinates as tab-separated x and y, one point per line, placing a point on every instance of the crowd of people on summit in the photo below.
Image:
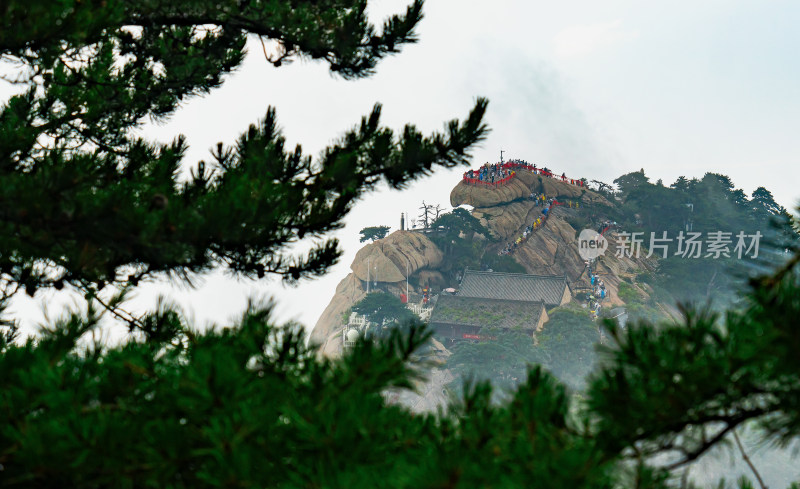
490	174
500	173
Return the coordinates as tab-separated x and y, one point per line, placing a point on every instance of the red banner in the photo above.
468	336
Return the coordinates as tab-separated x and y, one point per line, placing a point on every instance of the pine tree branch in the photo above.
747	460
351	54
694	454
121	314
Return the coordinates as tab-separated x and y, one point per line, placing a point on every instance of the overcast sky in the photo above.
593	89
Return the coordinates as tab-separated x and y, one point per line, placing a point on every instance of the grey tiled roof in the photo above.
514	286
472	311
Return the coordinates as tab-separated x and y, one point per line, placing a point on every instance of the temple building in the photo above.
553	290
498	300
462	318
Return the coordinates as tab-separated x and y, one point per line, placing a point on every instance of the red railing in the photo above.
519	166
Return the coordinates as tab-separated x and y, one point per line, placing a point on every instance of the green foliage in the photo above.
648	312
251	405
459	222
644	277
569	337
705	205
699	280
565	347
659	295
543	449
373	233
630	182
456	236
628	293
86	201
503	359
638	308
195	410
383	309
705	376
764	203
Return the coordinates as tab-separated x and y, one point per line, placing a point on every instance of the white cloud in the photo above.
582	39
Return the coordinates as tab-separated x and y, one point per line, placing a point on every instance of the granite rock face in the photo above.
553	250
482	196
327	333
387	259
506	211
505	220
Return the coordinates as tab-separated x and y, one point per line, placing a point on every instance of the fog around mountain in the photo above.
737	236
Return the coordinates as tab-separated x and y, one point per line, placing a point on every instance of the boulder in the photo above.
520	188
387	260
553	250
389	257
485	196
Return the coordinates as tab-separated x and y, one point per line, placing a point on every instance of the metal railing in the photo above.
359	323
420	310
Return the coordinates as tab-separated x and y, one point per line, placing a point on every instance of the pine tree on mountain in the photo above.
383	309
373	233
763	202
739	198
681	184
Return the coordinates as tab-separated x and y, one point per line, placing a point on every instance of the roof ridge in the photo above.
517	274
466	297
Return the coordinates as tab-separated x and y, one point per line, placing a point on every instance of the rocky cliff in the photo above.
484	196
387	261
505	211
